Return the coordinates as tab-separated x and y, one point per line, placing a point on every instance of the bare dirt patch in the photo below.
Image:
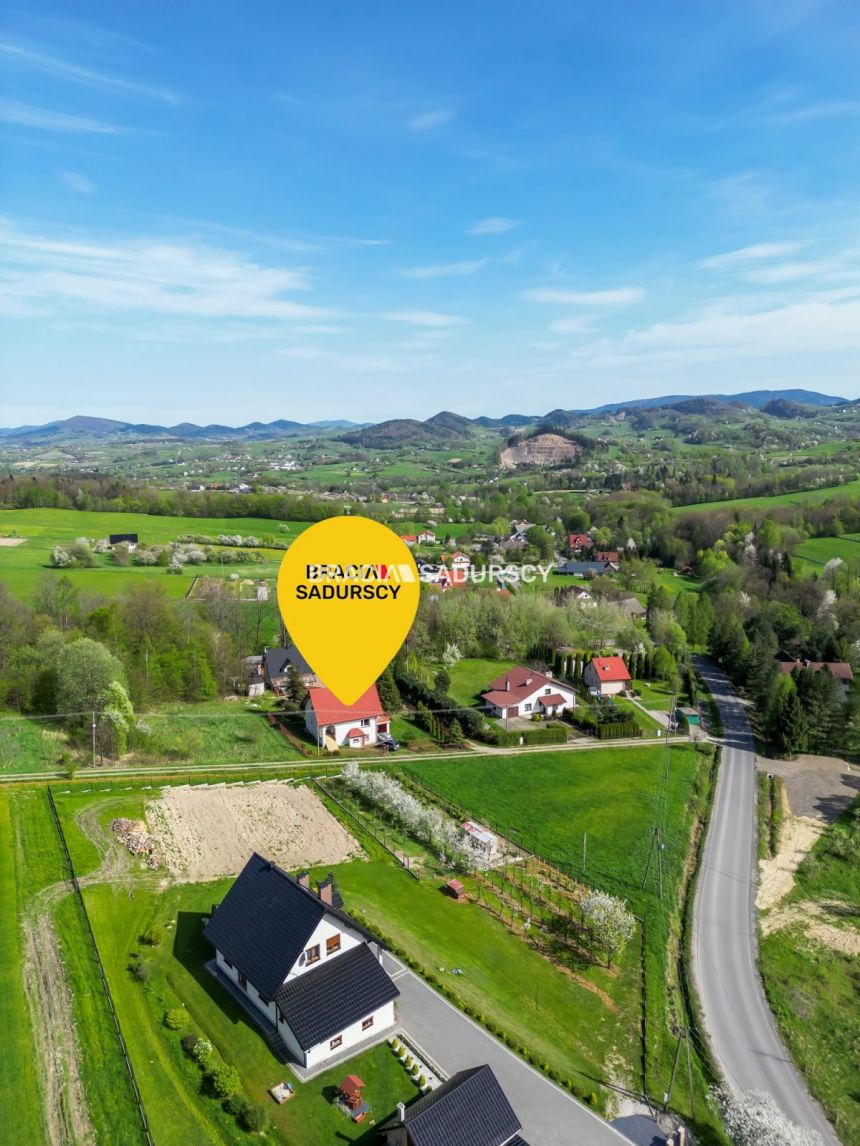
816	920
776	875
207	833
10	542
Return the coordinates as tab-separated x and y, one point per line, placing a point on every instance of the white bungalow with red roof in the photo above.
523	692
334	725
606	676
426	537
409	538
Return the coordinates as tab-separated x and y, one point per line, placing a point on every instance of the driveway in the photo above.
549	1116
737	1017
820	787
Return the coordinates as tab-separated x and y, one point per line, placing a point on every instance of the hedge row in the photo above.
552	733
618	731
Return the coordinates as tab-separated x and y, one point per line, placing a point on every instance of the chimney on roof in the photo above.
507	684
401	1112
304	879
324	891
528	680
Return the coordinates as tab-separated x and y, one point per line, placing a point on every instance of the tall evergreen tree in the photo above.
792	731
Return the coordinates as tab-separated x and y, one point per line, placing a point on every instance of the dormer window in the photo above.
312	954
332	944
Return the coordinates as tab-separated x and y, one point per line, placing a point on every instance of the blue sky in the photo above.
225	212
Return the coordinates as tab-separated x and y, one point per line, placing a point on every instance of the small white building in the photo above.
481	840
426	537
333	724
308	969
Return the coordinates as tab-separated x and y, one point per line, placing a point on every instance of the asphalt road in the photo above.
739	1022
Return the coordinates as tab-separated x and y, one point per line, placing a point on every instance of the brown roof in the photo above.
523	682
554	698
840	669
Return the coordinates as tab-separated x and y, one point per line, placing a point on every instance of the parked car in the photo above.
387	741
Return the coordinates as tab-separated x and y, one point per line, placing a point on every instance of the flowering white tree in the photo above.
610	921
752	1118
451	654
423	821
60	558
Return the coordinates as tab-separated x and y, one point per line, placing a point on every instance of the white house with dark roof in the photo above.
309	969
470	1109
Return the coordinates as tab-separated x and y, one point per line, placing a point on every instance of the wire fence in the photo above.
73	879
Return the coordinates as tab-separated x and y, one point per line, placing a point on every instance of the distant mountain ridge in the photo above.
437	430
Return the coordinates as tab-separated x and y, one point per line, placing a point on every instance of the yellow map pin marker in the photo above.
348	590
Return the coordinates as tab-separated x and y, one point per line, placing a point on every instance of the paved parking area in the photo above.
820	787
549	1116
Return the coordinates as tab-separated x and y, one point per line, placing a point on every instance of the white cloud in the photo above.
14	53
621	296
575	324
23	115
149	276
430	119
430	318
752	254
77	182
443	270
495	225
816	327
318	328
545	346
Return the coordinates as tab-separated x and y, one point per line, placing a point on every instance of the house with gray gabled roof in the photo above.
470	1109
277	664
312	973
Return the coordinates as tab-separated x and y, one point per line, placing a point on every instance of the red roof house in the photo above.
578	541
606	676
334	724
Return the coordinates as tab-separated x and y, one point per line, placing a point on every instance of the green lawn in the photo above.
646	723
813	988
169	1081
573	1028
654	694
471	676
23	566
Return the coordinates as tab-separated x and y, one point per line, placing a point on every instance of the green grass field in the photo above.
220	732
20	1097
812	987
849	489
549	801
819	550
30	745
22	566
471	676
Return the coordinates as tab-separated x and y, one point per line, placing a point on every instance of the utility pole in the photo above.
682	1035
94	739
584	850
